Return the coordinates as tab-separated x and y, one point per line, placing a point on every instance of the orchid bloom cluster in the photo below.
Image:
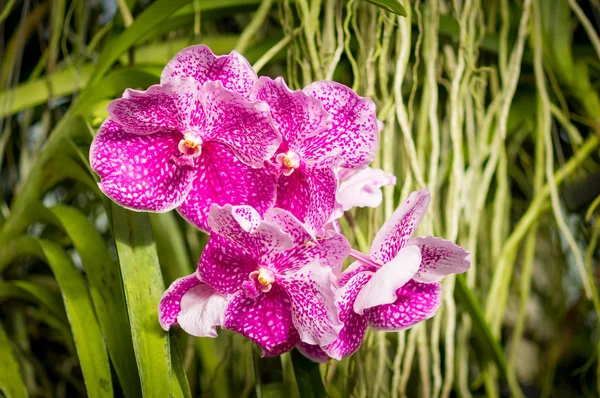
267	171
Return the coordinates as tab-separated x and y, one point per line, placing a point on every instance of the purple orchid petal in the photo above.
353	332
221	179
416	302
296	115
313	352
290	224
225	266
266	320
362	188
353	131
201	311
396	231
439	258
381	289
245	127
140	172
309	194
170	303
330	251
314	313
354	269
171	107
263	241
199	62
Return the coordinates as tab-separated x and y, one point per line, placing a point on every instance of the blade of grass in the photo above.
11	382
308	376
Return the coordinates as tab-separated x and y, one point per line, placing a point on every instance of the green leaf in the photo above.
390	5
179	381
11	381
34	292
170	246
268	375
152	16
88	339
144	287
308	376
107	293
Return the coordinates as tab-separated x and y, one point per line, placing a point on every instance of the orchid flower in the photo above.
323	126
191	141
360	188
278	281
396	285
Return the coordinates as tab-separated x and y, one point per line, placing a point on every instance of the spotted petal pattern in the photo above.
222	179
199	62
354	128
139	172
416	302
290	224
296	115
396	231
313	352
311	292
266	320
439	258
245	127
170	303
330	251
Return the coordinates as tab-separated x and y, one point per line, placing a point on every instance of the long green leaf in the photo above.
308	376
11	382
107	293
144	286
88	339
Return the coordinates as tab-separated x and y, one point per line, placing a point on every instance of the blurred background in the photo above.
493	105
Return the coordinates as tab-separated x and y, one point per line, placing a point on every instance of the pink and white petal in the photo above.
353	131
221	179
314	313
140	172
199	62
296	115
439	258
313	352
225	266
362	188
381	289
262	242
354	269
330	252
290	224
170	303
284	347
416	302
355	325
309	194
398	229
201	310
266	320
245	127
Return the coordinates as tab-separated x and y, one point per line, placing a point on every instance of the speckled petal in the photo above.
262	242
439	258
311	291
296	115
266	320
290	224
363	188
381	289
353	332
225	266
170	303
354	132
353	269
171	107
309	194
416	302
330	251
198	62
396	231
245	127
221	178
201	311
313	352
139	172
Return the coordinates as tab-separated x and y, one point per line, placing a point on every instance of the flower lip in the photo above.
263	279
288	161
190	145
